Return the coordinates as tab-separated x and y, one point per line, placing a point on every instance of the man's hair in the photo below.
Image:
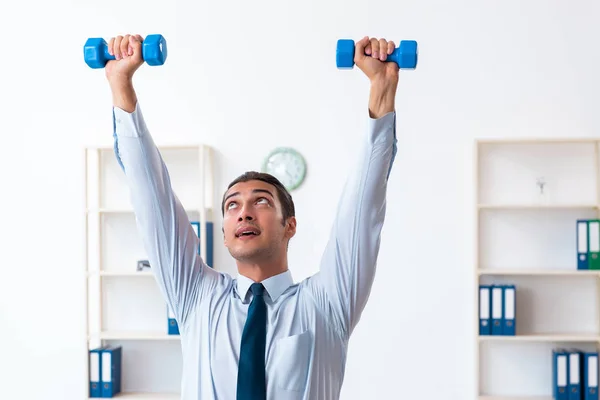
287	204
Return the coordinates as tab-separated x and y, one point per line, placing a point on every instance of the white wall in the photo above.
245	77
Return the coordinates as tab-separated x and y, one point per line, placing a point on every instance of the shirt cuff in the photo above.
380	128
129	124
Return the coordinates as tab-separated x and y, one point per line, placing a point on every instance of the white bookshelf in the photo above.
124	306
529	240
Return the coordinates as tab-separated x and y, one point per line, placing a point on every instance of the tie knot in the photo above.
257	289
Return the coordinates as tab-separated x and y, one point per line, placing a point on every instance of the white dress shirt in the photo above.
309	323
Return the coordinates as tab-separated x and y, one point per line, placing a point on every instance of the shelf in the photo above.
529	193
126	274
515	397
127	210
538	337
537	206
146	396
114	335
124	306
536	272
536	141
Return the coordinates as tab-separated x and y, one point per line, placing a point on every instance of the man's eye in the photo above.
263	200
229	206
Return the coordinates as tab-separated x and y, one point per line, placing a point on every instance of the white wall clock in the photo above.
287	165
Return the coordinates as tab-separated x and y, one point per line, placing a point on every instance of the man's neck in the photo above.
260	271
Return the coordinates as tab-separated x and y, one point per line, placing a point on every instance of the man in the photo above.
260	335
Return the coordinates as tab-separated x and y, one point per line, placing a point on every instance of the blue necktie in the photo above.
251	383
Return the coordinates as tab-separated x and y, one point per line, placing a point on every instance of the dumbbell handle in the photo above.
394	57
397	54
106	55
111	57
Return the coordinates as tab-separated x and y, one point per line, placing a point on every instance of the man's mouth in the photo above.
247	232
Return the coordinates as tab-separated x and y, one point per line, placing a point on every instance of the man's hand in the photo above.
119	72
370	56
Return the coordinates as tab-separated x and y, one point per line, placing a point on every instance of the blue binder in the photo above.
582	243
485	309
590	375
575	374
95	362
509	301
111	370
209	240
173	328
560	374
497	310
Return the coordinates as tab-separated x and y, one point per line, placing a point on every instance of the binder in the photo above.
575	374
173	328
111	370
485	308
209	240
594	244
509	295
582	244
497	310
590	376
94	372
560	374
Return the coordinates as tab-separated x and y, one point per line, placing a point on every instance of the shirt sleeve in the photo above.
167	234
342	286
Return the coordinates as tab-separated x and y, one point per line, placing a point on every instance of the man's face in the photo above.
253	222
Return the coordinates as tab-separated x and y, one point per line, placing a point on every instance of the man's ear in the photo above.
290	230
224	239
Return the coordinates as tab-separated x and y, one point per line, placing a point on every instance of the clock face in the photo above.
287	165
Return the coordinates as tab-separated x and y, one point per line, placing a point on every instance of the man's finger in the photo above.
360	49
391	47
374	48
110	46
134	44
383	49
117	47
125	46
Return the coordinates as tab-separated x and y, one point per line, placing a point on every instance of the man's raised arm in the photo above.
168	237
343	284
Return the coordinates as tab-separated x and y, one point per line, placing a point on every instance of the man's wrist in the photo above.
382	99
123	94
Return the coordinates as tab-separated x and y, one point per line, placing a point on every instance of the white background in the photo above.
248	76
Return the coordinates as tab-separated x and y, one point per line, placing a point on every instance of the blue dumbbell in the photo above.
154	51
405	56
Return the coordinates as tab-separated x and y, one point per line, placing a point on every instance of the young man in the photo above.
260	335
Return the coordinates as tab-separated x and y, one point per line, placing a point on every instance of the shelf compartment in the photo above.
521	370
548	174
547	307
537	272
113	190
133	335
534	239
124	274
515	397
540	337
129	211
145	396
533	206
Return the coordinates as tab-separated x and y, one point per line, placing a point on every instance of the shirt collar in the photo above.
275	285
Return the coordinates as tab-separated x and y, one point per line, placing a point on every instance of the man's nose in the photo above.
246	214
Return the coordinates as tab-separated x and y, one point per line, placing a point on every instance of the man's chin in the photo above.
246	254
